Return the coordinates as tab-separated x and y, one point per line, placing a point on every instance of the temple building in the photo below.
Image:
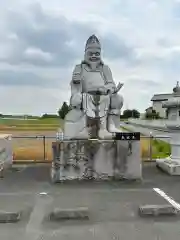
159	99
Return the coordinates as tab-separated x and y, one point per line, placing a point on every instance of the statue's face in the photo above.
94	55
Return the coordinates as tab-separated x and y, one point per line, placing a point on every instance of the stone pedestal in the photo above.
97	159
6	154
171	164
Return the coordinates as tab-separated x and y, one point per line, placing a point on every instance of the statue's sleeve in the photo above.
76	83
108	76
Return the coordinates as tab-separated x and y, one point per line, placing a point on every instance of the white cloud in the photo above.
40	41
35	53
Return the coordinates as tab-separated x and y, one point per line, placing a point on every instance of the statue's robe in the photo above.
92	80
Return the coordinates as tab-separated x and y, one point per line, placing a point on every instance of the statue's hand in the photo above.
110	89
76	78
103	90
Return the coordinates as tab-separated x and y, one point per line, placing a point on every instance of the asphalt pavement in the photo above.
113	206
163	135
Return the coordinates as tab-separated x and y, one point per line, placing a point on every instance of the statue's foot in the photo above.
114	121
113	129
104	134
83	134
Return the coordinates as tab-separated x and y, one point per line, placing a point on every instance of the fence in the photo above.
39	148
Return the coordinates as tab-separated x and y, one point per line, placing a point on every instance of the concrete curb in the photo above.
9	217
157	210
69	214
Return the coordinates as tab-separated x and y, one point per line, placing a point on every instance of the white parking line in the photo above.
33	229
167	198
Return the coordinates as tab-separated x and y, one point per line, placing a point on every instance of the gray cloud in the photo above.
144	83
167	64
16	78
117	49
57	37
163	42
52	43
176	10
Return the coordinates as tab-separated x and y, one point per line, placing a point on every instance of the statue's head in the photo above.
93	51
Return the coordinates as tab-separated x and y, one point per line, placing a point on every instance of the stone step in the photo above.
157	210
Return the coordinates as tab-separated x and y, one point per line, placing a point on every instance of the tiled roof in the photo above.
161	97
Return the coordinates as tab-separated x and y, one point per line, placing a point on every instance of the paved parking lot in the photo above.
113	206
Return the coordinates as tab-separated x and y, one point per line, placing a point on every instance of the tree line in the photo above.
127	113
65	108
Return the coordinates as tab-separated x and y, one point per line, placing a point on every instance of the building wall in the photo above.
157	105
174	114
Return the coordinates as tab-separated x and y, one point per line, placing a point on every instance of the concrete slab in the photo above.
116	230
113	207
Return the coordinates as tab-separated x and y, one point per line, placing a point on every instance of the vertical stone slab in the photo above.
6	154
129	155
134	162
56	162
104	161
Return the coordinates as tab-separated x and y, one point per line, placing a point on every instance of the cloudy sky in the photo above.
42	40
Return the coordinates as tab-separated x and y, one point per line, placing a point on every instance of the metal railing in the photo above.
153	147
35	148
39	148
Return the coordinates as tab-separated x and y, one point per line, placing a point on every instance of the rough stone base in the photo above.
96	160
69	214
9	217
157	210
172	167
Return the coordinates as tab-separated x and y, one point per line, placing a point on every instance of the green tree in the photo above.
128	113
63	110
135	113
152	115
49	116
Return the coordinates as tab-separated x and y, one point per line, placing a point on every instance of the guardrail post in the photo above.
44	147
150	146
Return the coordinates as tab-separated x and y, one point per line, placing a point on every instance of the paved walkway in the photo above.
113	206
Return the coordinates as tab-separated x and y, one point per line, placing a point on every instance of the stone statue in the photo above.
93	97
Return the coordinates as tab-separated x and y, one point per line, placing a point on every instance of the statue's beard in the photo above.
94	64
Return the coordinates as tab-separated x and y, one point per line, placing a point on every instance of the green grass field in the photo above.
28	148
160	149
47	124
30	121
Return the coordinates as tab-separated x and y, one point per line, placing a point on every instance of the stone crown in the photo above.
93	42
